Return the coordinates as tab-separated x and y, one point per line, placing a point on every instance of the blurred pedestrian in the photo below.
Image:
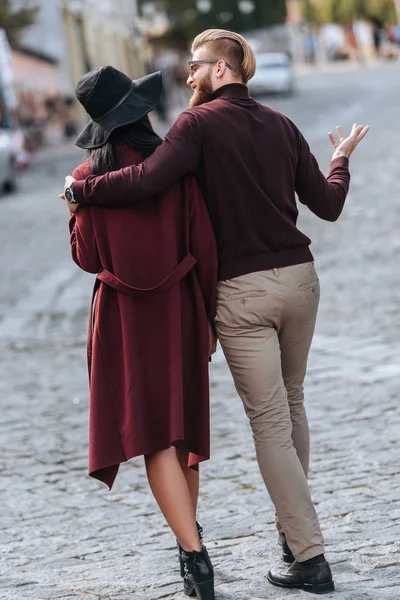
352	41
180	77
149	334
377	34
67	116
162	108
250	161
310	47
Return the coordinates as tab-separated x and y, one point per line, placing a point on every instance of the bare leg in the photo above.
191	475
171	491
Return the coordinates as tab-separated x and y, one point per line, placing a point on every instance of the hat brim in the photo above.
144	97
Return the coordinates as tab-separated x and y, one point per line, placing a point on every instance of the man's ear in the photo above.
221	69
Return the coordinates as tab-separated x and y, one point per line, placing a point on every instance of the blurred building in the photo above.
8	98
41	76
102	32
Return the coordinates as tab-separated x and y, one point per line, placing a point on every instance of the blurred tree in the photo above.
189	17
273	14
311	12
243	15
360	8
346	11
337	11
14	19
383	10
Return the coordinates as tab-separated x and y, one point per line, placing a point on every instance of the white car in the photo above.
274	73
8	166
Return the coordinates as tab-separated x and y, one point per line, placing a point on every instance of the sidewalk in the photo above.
64	152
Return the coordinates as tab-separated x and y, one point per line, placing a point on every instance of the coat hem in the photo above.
107	473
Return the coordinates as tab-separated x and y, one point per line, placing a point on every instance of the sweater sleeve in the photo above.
204	248
324	196
82	238
177	156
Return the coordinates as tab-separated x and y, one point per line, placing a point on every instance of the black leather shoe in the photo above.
316	579
180	549
199	575
287	554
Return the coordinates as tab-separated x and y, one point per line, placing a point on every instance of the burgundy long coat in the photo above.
148	329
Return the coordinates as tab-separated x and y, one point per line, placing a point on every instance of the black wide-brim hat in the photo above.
113	100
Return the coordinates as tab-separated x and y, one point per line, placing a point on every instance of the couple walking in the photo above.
138	220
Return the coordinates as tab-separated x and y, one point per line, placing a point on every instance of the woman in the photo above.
153	300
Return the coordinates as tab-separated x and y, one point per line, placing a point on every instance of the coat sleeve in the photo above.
177	156
82	237
324	196
204	248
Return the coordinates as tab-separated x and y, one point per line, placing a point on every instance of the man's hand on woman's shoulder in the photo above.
72	206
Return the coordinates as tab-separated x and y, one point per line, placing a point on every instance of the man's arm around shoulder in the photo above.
177	156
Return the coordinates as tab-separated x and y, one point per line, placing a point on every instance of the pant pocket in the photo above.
303	287
245	294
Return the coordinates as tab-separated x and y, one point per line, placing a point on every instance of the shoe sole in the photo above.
321	588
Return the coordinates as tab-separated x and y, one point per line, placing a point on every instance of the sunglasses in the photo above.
193	63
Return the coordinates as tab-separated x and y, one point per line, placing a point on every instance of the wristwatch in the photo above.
69	195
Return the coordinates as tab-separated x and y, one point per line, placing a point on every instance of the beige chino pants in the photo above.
265	323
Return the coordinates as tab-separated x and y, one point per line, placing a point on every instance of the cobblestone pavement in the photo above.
65	536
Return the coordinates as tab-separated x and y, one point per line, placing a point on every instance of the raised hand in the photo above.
346	145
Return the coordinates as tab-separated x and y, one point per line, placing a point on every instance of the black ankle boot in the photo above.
180	550
314	578
199	575
287	554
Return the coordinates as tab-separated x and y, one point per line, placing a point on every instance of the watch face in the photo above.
68	194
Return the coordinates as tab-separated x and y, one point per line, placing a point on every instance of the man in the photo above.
250	161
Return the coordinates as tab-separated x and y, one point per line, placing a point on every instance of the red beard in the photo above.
203	93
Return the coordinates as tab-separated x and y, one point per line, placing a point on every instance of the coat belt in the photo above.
172	279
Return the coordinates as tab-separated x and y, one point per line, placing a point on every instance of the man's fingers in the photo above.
333	140
359	129
340	133
356	132
359	133
363	133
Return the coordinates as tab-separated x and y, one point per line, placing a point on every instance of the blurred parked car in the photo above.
8	166
21	152
274	74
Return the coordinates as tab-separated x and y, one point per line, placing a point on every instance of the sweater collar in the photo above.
232	90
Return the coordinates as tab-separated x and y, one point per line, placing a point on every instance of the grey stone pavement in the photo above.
63	535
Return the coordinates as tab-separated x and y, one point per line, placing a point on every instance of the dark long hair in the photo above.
139	135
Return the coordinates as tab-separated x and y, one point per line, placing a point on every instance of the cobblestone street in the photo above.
64	536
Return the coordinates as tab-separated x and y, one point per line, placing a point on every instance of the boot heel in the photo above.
319	588
199	575
205	590
191	592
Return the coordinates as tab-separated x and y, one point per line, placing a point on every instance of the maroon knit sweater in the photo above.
250	160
